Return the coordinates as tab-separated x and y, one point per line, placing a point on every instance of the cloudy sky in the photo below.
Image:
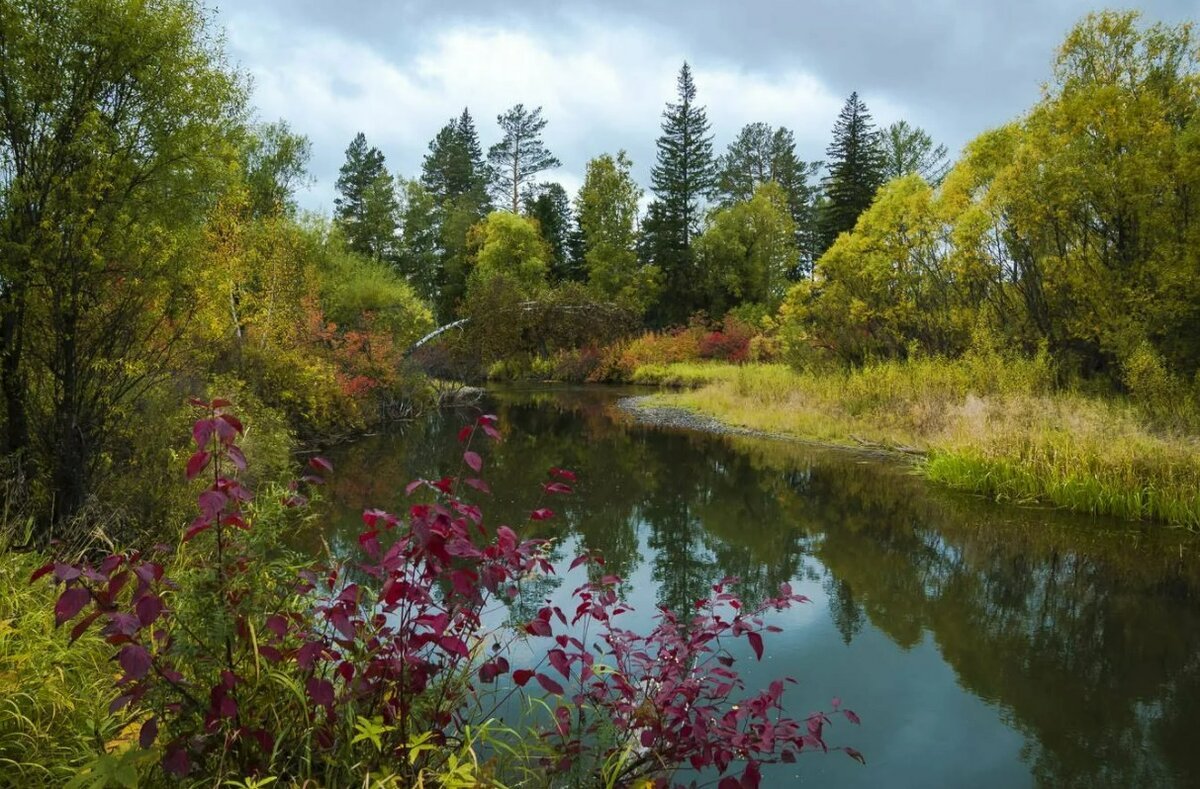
397	70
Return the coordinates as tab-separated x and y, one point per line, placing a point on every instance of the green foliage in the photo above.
456	177
682	176
748	251
53	697
356	289
509	245
366	208
520	155
275	163
608	204
909	149
889	283
116	131
548	205
854	171
758	155
418	256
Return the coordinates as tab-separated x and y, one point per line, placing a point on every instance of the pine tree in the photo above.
366	208
520	155
855	171
760	154
683	175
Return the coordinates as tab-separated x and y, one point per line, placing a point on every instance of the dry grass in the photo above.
990	425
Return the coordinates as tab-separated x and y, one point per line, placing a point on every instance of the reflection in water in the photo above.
982	644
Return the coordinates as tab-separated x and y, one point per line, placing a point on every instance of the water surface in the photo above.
982	645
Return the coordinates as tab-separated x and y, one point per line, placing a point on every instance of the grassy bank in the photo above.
995	427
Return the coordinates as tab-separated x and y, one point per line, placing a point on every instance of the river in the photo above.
981	644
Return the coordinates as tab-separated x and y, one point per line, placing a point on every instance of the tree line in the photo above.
721	230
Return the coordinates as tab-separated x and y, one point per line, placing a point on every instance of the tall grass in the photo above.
996	426
53	698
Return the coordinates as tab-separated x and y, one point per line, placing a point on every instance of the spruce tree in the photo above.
683	175
520	155
366	208
454	165
456	178
855	171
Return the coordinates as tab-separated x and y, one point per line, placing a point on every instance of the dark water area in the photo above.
981	645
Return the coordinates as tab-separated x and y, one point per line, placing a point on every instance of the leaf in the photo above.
83	624
233	422
135	660
521	676
70	603
148	609
455	646
549	684
479	485
211	502
410	487
539	627
562	473
198	525
464	433
473	460
321	464
148	734
756	643
851	716
237	456
855	755
176	761
202	431
41	571
556	487
196	463
558	659
320	691
542	514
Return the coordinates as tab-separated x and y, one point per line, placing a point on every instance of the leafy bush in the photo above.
245	663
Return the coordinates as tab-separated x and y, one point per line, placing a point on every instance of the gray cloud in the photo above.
604	70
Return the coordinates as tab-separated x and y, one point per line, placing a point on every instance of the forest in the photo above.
1022	319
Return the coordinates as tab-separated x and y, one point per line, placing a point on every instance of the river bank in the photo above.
997	428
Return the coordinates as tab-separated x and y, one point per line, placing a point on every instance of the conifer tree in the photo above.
520	155
855	171
683	175
454	166
910	149
548	204
455	176
366	208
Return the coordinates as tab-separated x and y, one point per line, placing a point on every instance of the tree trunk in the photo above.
16	434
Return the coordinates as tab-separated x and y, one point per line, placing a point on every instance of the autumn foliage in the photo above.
384	663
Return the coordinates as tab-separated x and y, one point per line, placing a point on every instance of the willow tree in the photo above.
115	121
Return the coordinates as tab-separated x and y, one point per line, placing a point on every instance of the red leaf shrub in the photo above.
397	635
